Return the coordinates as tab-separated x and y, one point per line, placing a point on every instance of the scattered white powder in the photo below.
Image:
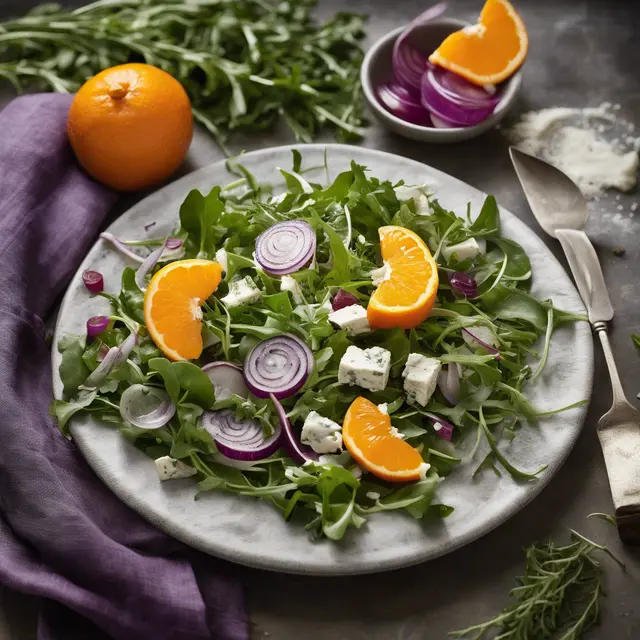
574	140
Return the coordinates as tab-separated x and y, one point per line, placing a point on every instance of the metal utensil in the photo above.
561	211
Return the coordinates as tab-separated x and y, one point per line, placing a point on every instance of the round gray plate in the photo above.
251	532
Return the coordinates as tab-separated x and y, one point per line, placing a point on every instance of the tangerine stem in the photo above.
118	90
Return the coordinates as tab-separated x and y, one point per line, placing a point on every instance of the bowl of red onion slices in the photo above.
422	101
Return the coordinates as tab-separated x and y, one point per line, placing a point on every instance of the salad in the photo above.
327	349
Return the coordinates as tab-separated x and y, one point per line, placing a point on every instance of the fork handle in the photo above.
616	384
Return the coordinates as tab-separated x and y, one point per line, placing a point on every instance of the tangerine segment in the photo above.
369	437
172	306
489	51
406	296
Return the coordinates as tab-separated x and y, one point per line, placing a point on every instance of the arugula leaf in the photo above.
73	369
195	382
199	216
131	296
63	411
169	377
488	221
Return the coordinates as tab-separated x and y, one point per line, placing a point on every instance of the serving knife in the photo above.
561	210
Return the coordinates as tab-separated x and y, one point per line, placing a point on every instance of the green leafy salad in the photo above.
287	347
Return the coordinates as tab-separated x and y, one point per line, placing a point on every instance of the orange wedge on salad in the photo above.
371	440
172	306
489	51
406	296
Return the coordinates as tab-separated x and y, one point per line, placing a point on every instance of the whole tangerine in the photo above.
130	126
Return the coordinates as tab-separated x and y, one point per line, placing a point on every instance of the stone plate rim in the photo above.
126	470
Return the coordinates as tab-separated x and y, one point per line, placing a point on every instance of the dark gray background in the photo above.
582	52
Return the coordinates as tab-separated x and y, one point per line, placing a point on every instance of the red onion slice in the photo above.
442	428
408	63
116	356
173	243
296	450
440	123
149	263
449	383
488	347
146	407
120	246
227	380
452	100
93	280
343	299
96	325
278	366
463	284
286	247
240	439
403	104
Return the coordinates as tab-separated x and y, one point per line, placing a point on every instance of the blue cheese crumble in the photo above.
243	291
366	368
171	469
352	318
420	378
466	250
321	434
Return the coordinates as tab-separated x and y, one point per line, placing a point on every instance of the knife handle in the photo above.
586	269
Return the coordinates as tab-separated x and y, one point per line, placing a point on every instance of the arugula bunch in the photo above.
331	496
245	64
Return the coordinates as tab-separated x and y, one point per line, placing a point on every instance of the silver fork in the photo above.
562	212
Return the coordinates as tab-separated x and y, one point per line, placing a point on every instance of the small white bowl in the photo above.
377	69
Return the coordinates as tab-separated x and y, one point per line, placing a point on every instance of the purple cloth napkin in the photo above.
104	572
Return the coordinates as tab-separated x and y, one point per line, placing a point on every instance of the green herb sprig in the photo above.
245	64
558	597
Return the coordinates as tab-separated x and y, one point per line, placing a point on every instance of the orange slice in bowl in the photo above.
172	304
406	295
371	440
489	51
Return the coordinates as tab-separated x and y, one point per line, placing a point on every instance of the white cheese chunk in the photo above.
466	250
321	434
379	275
420	196
420	378
367	368
170	469
221	259
287	283
241	292
384	408
352	318
482	333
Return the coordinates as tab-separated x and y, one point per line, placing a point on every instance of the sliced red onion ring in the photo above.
452	99
120	246
149	263
116	356
146	407
442	428
173	243
343	299
488	347
449	383
403	104
463	284
286	247
278	366
441	123
93	280
227	380
240	439
297	451
96	325
408	63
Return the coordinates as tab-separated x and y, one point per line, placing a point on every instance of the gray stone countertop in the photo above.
582	53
